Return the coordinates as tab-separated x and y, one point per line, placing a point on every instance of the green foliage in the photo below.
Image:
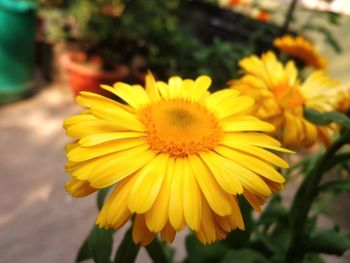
127	250
157	252
336	186
328	36
151	29
274	211
101	196
98	245
244	256
328	241
199	253
324	118
313	258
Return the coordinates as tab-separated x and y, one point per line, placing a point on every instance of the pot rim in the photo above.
67	61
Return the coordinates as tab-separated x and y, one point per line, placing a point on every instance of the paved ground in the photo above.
39	222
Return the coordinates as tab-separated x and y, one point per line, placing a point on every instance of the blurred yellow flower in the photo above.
280	98
177	154
343	100
301	48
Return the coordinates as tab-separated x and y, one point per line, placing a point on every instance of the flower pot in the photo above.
82	77
17	41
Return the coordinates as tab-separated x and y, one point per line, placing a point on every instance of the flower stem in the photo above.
289	17
304	198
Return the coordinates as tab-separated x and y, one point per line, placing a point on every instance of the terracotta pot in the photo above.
82	77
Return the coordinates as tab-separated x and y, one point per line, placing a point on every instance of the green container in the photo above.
17	41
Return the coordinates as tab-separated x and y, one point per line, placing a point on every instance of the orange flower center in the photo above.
180	127
287	96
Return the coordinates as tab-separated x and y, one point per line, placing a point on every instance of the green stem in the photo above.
304	198
289	17
156	251
128	250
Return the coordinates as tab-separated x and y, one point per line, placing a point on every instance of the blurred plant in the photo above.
162	41
316	23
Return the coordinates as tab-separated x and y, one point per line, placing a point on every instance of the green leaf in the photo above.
336	186
273	211
333	18
325	118
339	158
328	242
128	250
199	253
84	252
97	245
156	250
100	244
101	196
282	234
169	253
329	38
244	255
238	238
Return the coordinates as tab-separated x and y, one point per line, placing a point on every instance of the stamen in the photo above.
179	127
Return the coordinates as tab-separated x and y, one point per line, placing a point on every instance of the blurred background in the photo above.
52	49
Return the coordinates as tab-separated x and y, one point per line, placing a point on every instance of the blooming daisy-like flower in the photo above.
301	48
177	154
281	97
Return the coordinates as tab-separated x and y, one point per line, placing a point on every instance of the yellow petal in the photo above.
254	200
310	133
254	164
222	173
89	100
78	188
191	197
236	213
216	99
292	134
217	198
115	212
206	234
157	216
163	89
252	138
113	171
176	216
201	85
247	178
135	95
234	106
95	139
118	117
80	154
246	123
141	233
261	153
76	119
147	185
168	234
175	86
151	88
87	128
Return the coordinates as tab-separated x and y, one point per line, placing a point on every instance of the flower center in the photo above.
179	127
287	96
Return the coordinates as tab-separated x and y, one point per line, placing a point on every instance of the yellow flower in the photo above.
280	98
302	49
177	154
343	100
